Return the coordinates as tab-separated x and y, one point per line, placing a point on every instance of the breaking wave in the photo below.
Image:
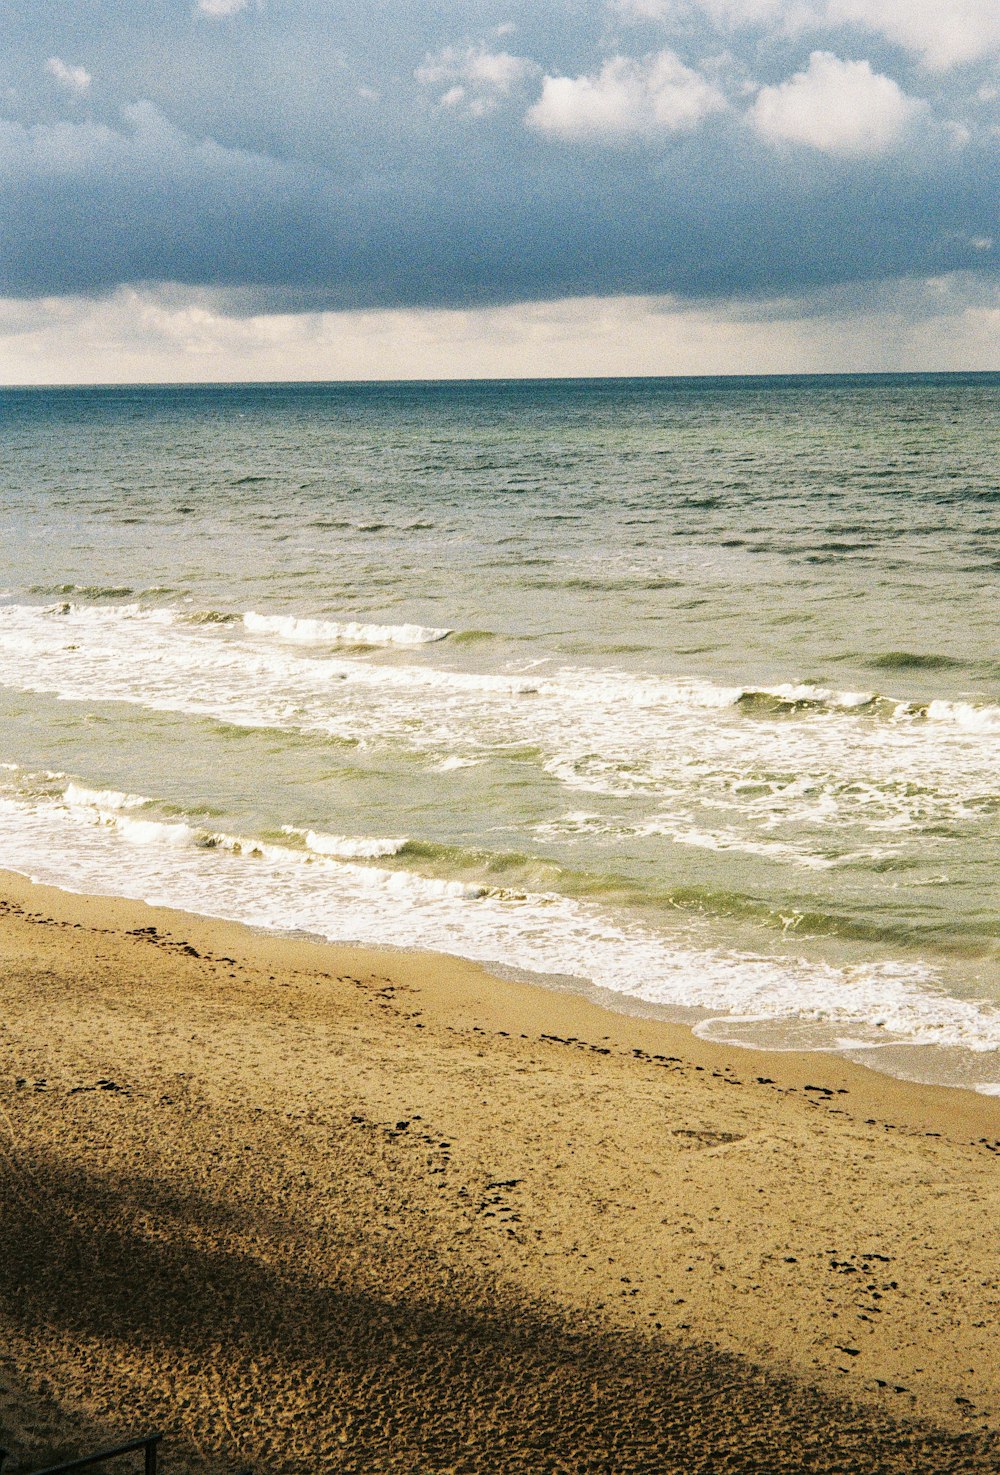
301	889
303	631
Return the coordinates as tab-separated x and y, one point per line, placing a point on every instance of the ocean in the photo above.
681	693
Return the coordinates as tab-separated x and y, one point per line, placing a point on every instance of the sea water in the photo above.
684	693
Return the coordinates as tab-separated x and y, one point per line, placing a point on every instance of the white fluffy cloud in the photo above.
625	99
222	7
941	33
475	80
839	107
74	79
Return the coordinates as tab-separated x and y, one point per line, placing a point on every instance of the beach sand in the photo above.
308	1207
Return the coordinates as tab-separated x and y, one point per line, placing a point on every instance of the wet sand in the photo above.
329	1208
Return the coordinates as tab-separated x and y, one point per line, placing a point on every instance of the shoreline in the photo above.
273	1146
582	991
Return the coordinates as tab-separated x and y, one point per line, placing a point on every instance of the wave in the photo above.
105	808
346	847
294	629
149	831
78	795
965	715
618	585
279	886
473	872
72	610
905	660
303	631
802	699
471	637
578	688
206	617
84	591
800	754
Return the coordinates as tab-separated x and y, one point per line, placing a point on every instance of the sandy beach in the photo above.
308	1207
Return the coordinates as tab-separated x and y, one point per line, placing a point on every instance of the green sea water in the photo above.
686	692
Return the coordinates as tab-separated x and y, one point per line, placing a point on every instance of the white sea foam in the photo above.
277	886
149	831
304	631
107	808
346	847
101	798
575	822
824	696
694	749
296	630
723	840
965	714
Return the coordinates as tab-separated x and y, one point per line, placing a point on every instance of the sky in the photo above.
305	189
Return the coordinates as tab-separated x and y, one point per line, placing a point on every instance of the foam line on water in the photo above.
78	794
303	631
688	745
36	629
148	831
966	715
279	887
348	847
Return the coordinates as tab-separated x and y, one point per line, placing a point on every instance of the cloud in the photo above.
222	7
299	160
164	334
944	33
838	107
86	206
74	79
136	201
475	80
87	150
625	99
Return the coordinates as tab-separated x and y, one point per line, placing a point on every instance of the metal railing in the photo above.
148	1443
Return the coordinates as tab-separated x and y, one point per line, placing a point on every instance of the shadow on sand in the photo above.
130	1308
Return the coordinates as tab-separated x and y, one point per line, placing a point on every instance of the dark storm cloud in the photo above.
386	155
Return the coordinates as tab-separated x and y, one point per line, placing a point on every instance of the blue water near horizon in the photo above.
683	690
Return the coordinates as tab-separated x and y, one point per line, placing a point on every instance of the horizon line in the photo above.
493	379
